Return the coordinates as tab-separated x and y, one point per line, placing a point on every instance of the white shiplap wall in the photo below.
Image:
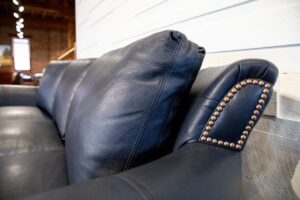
229	30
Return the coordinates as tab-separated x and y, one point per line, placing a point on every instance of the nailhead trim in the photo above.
204	137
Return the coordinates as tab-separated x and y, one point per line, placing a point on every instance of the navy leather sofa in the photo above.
139	122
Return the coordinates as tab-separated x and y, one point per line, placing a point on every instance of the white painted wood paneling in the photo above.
229	30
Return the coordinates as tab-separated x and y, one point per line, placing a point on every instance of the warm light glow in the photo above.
20	35
18	29
16	2
21	20
21	53
21	8
19	24
16	15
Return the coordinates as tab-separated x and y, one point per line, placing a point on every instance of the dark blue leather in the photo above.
210	87
32	158
123	108
49	84
195	172
16	95
70	80
30	113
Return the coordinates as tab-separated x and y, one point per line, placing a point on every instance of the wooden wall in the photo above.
229	30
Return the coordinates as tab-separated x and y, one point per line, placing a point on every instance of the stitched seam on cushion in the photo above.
152	107
137	186
179	98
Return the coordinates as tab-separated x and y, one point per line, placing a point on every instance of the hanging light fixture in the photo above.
20	21
21	8
16	2
16	15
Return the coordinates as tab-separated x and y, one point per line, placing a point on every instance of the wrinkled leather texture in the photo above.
32	158
15	95
49	84
123	108
195	172
23	112
70	80
210	87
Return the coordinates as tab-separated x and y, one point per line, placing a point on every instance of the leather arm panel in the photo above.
194	172
226	102
235	116
13	95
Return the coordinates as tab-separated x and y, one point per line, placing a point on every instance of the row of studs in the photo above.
205	134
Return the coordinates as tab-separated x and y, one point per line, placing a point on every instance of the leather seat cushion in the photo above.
32	158
23	112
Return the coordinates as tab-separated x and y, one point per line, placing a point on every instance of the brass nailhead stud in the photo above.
243	137
203	138
223	104
248	128
220	142
243	83
253	117
258	107
249	81
245	132
213	118
211	123
267	85
226	144
238	146
226	99
238	86
214	141
251	123
232	145
216	114
205	133
233	90
266	91
255	82
261	83
261	101
240	142
208	128
219	108
208	139
230	95
256	112
263	96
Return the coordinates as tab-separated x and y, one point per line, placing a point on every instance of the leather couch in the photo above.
139	122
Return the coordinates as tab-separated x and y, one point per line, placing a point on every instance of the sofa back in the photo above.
49	84
70	80
123	108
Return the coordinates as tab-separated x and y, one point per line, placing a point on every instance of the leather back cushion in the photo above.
121	112
49	84
70	80
209	88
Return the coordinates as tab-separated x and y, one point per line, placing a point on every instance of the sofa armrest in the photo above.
14	95
196	171
226	102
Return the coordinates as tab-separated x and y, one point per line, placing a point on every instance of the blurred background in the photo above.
33	32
